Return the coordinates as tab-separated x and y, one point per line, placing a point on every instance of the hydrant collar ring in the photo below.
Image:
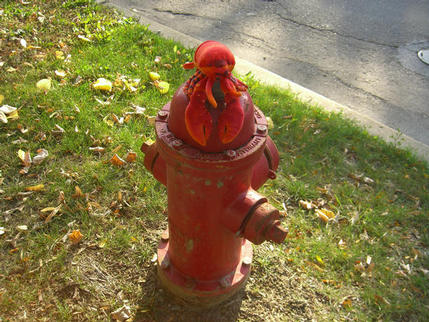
169	142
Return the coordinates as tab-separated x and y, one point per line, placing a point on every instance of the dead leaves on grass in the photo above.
75	237
116	160
27	161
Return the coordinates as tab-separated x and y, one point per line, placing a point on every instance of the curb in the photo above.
304	94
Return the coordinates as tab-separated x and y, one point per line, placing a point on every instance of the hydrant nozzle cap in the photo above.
276	232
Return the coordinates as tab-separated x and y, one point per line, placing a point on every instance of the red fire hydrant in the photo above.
213	207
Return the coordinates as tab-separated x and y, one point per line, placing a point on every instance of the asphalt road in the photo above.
360	53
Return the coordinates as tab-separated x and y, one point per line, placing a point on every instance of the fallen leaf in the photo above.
380	300
60	73
102	243
355	218
58	129
346	302
7	109
81	37
102	84
314	265
108	121
3	117
162	86
44	84
151	120
342	244
59	55
22	228
116	160
116	119
307	205
325	214
320	260
13	115
54	211
1	98
368	180
131	157
75	237
97	149
41	155
38	187
139	110
154	76
122	314
47	209
77	193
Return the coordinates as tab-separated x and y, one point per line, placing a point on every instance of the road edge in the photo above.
304	94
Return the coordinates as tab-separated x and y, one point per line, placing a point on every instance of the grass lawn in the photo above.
80	217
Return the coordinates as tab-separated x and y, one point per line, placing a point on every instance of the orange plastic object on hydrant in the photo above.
212	152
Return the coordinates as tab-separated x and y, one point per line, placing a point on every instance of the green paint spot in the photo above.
219	184
189	245
208	183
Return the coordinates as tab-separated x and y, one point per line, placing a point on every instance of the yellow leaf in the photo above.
102	84
59	55
163	87
102	243
154	76
325	214
35	188
44	84
116	160
13	115
47	209
75	237
1	98
21	155
319	260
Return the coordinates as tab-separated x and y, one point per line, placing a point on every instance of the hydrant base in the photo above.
201	292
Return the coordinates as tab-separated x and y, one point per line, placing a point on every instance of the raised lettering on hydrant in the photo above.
212	152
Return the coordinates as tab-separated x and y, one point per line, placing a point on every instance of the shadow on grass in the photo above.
157	304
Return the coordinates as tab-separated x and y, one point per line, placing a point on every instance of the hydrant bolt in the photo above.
231	153
162	114
261	128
